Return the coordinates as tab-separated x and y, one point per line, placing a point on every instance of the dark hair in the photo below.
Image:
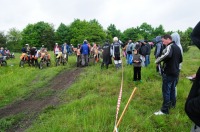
167	36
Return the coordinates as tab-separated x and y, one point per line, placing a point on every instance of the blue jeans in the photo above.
129	59
147	60
168	91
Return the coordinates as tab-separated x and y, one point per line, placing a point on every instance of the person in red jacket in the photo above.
56	49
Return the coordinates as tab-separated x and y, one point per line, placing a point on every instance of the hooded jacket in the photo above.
192	105
195	35
159	45
176	39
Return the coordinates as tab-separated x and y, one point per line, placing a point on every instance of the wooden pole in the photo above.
120	119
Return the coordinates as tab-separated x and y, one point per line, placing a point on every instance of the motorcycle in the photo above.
61	59
44	61
3	61
24	58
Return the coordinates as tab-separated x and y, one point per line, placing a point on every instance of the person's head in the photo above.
166	39
26	45
141	42
130	41
158	39
115	39
85	41
56	44
1	48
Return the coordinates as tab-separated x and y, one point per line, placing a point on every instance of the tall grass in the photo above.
89	105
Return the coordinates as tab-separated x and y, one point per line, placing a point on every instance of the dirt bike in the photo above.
78	57
33	60
78	60
44	62
24	59
61	59
3	61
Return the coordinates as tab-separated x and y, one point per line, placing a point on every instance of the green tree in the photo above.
96	32
14	38
146	31
113	32
185	39
92	31
158	31
2	39
62	34
130	33
39	34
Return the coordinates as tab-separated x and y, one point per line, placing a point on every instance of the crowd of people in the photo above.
168	54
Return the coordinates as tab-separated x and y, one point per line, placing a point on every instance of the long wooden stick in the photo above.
120	119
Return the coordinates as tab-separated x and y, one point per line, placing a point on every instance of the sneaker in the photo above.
159	113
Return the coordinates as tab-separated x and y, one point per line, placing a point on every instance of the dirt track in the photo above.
36	102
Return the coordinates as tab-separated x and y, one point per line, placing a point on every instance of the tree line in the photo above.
43	33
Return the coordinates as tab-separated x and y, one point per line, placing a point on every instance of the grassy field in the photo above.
89	105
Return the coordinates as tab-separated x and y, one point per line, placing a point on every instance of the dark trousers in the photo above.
168	91
137	73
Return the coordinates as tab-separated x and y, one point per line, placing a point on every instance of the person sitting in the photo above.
2	52
7	52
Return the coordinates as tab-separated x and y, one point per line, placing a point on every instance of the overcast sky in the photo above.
172	14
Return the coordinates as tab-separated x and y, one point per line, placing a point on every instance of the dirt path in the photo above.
39	100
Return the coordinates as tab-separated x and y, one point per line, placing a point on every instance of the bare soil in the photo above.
39	99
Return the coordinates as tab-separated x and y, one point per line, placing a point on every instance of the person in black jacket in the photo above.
171	58
106	55
192	105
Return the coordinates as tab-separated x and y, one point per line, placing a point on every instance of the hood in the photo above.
195	35
176	39
158	39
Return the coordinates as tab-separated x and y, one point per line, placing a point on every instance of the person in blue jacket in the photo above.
84	53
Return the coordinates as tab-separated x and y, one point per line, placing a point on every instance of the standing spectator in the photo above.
143	51
65	49
171	58
85	51
137	66
116	52
129	49
147	58
158	52
192	105
106	55
176	39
